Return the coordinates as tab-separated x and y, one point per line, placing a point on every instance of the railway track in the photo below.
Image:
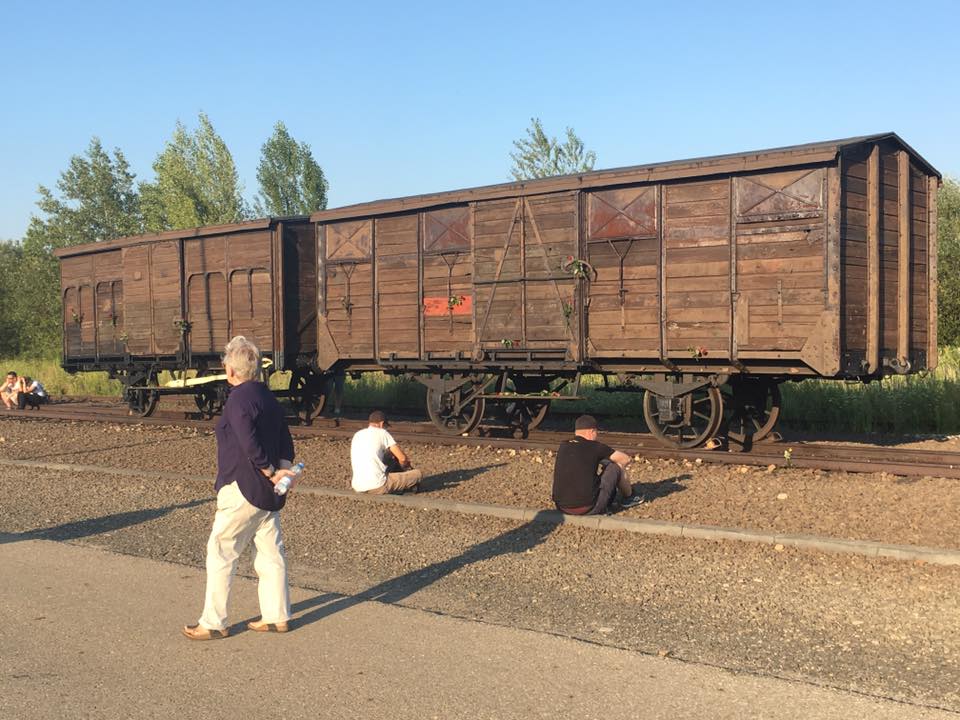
846	457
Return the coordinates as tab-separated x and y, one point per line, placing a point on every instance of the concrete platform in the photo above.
92	634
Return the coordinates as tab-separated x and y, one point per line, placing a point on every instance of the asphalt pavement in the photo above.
94	634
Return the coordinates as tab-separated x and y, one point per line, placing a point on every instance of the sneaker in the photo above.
632	501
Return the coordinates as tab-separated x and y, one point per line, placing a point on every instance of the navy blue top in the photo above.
251	434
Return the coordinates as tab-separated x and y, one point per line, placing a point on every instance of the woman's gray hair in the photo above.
243	356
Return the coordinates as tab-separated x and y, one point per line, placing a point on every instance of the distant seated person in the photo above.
30	393
379	465
588	474
9	390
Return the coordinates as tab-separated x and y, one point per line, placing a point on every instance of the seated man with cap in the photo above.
379	465
588	473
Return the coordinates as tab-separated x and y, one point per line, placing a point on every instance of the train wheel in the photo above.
529	414
754	409
308	393
684	422
442	409
143	402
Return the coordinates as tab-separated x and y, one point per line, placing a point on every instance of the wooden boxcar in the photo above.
703	283
171	301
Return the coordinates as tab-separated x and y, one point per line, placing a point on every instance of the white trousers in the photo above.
235	524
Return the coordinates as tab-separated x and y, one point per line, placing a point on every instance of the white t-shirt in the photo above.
366	457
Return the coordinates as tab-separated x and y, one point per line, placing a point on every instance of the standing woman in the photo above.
254	451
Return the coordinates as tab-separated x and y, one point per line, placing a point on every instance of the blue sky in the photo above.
404	98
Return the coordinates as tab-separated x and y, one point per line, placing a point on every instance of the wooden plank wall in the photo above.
696	271
300	289
92	288
884	230
498	272
108	271
623	315
853	250
250	279
136	294
75	273
780	281
398	295
229	290
447	259
919	263
523	298
348	280
551	234
165	278
205	268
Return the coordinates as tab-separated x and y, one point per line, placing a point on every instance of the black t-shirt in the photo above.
575	479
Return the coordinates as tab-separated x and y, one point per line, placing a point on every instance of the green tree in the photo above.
11	264
196	182
291	181
948	263
97	200
539	156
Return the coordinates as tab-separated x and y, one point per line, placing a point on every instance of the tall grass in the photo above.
922	403
926	403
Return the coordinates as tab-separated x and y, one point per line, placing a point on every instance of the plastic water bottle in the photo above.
281	487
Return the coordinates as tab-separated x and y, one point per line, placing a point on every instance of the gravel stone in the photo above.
903	511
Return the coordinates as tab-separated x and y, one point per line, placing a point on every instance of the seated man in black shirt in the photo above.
578	487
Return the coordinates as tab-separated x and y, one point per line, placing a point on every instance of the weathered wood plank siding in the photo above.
696	245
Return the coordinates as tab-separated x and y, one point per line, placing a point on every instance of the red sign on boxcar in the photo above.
443	306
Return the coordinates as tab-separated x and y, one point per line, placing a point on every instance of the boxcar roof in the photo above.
819	152
104	245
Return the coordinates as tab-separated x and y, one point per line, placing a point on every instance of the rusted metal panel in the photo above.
903	258
624	212
873	260
351	240
933	185
446	229
771	196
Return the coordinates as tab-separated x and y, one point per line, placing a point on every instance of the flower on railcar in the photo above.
577	268
697	352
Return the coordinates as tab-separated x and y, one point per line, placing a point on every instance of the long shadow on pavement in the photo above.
518	540
95	526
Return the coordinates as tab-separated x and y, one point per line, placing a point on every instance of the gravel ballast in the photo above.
874	507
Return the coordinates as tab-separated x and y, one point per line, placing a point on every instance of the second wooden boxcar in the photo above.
171	301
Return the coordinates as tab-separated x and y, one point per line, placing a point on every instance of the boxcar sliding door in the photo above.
623	250
346	249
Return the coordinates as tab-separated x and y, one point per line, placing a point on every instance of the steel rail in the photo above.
842	458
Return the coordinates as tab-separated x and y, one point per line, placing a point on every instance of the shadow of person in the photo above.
95	526
452	478
663	488
392	591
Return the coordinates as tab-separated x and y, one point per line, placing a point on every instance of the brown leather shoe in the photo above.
195	632
261	626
